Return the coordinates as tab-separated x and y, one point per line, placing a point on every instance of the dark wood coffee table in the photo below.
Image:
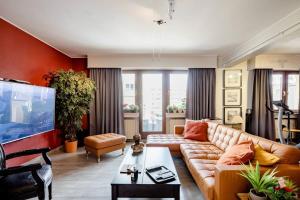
121	186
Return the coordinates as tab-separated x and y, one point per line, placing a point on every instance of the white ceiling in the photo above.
287	45
95	27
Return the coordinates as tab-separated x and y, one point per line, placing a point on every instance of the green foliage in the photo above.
285	189
131	108
175	109
260	184
74	92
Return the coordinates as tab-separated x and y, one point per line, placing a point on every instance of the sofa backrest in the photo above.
224	137
211	130
287	154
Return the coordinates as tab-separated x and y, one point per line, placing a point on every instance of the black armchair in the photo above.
28	181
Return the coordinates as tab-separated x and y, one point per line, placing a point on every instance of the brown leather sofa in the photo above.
223	182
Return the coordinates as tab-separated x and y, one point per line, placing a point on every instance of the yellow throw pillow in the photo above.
263	157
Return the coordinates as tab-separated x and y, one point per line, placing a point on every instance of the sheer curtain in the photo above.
261	122
201	91
106	111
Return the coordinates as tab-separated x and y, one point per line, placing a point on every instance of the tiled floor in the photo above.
77	178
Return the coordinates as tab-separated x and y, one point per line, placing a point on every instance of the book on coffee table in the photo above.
160	174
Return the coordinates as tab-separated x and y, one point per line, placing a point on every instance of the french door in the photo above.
152	102
152	91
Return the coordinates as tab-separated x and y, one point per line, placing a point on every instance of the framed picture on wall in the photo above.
232	97
232	78
230	112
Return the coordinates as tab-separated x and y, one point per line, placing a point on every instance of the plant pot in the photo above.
131	115
175	115
254	196
295	196
71	146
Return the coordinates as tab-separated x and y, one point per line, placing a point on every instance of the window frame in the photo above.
165	93
130	72
285	75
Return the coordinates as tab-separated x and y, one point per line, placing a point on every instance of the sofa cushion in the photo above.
196	151
225	137
238	153
196	131
171	141
263	157
287	154
203	173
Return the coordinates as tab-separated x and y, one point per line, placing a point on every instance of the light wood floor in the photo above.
77	178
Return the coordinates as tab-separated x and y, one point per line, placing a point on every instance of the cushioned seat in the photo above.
218	182
203	174
23	183
104	143
104	140
171	141
195	151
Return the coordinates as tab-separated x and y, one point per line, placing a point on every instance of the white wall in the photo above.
276	61
219	90
140	61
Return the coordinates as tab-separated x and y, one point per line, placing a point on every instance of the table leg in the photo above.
114	192
177	194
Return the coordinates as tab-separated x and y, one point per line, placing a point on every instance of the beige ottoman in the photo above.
104	143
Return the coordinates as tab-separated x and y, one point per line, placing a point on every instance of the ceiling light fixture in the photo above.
171	8
159	22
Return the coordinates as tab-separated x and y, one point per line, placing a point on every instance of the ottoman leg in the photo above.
98	159
87	154
122	151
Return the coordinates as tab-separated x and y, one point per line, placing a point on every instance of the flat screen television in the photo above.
25	110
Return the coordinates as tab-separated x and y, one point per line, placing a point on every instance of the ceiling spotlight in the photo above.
171	8
159	22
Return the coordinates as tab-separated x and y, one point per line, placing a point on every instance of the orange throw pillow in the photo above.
195	130
237	154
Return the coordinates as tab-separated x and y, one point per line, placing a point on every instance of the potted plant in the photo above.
131	108
174	111
131	111
74	92
284	189
260	183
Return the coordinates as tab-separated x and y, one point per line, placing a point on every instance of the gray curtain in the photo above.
106	110
201	93
261	122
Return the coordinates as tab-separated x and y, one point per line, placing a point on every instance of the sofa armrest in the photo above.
178	129
228	182
292	171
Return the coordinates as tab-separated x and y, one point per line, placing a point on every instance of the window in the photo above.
153	91
293	91
178	86
286	87
277	86
128	89
152	102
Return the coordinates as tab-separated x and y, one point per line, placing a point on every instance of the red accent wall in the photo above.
80	64
27	58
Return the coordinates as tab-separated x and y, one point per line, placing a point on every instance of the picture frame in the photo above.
229	112
232	97
232	78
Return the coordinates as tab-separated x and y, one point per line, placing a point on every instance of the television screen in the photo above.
25	110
